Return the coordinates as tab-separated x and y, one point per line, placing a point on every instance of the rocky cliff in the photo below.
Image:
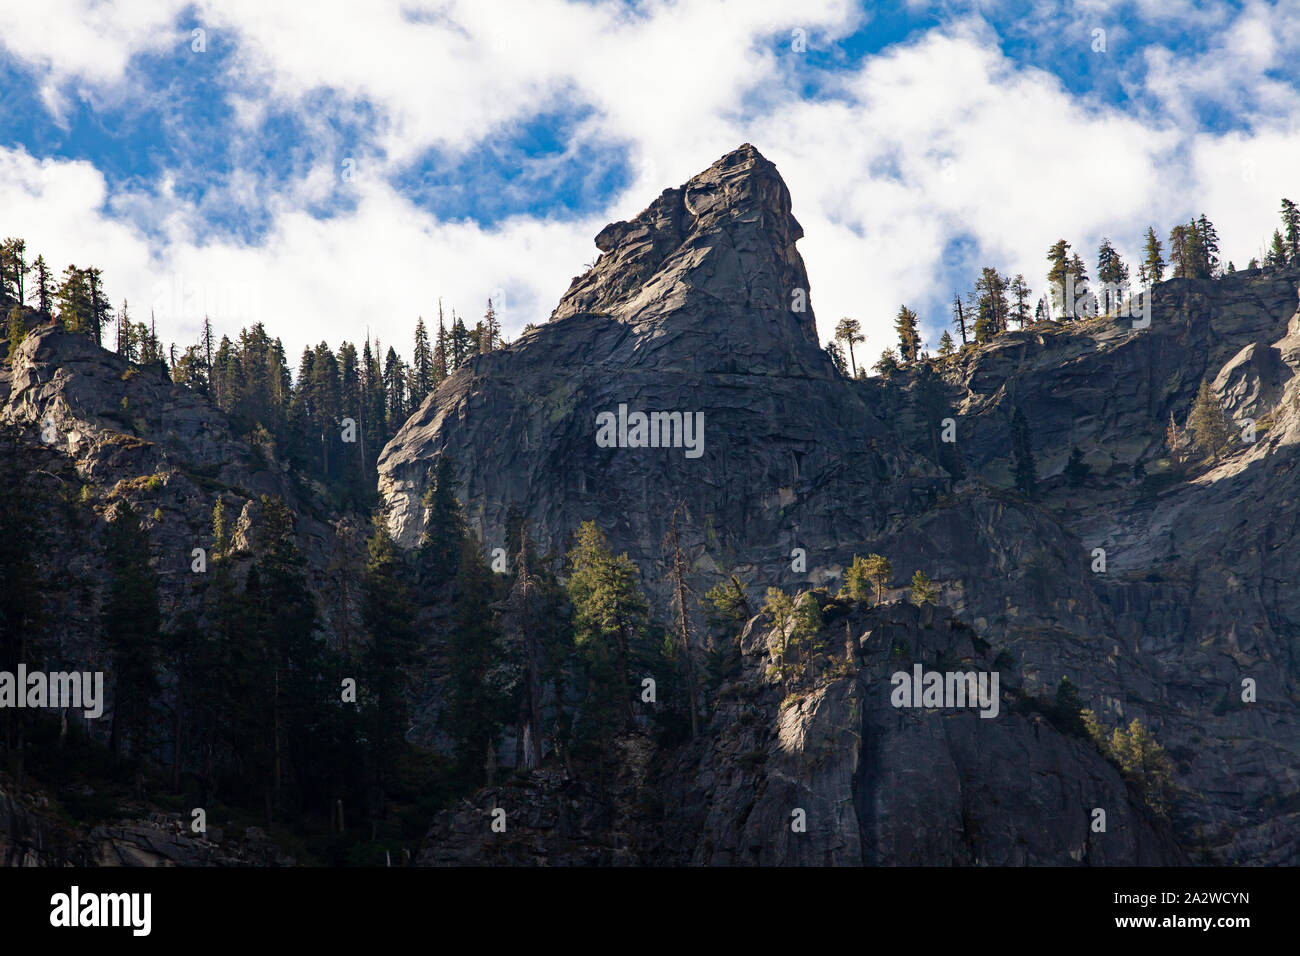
700	304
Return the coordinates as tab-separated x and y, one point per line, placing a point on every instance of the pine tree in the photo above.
1207	239
879	571
395	389
1180	252
857	580
959	317
1020	292
1058	258
992	308
779	608
909	339
1153	266
44	289
460	342
292	681
74	300
1208	423
388	614
15	332
421	366
888	363
444	526
849	331
923	590
131	623
677	576
122	345
837	357
1113	274
441	351
100	311
946	344
531	619
610	615
1076	469
1143	759
477	709
1291	223
1277	255
13	267
490	334
1023	454
21	624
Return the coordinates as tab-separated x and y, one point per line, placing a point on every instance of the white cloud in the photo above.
929	141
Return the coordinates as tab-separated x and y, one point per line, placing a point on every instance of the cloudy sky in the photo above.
338	166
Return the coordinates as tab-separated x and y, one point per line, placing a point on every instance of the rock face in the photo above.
869	783
97	430
692	306
697	306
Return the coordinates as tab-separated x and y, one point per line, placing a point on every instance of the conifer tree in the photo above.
888	363
1020	292
477	709
293	682
388	615
531	618
609	616
1207	244
780	609
878	571
444	526
959	317
490	334
1113	274
909	339
441	351
460	342
837	357
421	365
992	308
74	300
13	268
14	332
857	580
1291	223
1277	255
923	589
44	288
1058	258
99	310
1153	266
1208	423
946	344
20	598
685	648
131	623
1076	469
849	331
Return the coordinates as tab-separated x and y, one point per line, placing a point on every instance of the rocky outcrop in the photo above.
691	306
698	306
98	429
830	772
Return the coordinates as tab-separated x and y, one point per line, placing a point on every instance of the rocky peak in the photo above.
710	263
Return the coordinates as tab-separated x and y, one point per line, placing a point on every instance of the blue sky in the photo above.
342	173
